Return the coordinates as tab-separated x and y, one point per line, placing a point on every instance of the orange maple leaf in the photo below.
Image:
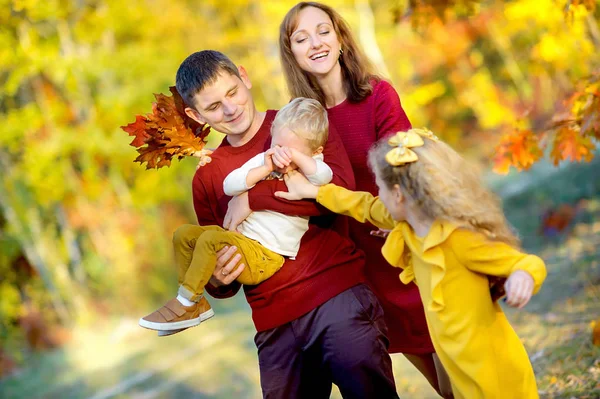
165	114
570	144
184	143
154	157
197	128
590	117
166	132
502	165
520	149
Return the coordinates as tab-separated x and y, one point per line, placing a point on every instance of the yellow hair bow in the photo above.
425	133
403	142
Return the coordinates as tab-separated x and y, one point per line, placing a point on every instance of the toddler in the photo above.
299	132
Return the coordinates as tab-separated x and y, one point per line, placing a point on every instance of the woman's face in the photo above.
314	42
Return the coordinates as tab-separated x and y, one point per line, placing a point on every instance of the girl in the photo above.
321	60
449	234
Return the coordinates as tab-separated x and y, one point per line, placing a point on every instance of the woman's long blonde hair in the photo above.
357	71
444	186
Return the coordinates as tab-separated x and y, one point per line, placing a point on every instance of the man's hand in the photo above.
298	187
227	260
238	210
519	288
204	155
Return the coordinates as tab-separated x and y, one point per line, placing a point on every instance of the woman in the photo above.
321	60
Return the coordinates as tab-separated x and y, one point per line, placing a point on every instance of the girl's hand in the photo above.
382	233
519	288
282	156
298	187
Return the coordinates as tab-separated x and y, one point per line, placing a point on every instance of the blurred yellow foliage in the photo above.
90	221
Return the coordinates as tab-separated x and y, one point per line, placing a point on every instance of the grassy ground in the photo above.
556	327
117	359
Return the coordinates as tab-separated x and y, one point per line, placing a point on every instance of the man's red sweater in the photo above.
327	263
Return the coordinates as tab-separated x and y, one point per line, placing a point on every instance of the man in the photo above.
316	322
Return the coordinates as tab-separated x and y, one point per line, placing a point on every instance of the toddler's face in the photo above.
284	137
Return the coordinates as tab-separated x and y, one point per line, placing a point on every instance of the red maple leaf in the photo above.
137	129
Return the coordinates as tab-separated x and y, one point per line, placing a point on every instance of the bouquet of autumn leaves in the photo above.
167	132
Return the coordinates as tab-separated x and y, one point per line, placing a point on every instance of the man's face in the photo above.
226	105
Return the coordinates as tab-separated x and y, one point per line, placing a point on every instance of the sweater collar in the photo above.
258	139
397	254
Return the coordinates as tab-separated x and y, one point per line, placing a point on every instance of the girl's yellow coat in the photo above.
481	352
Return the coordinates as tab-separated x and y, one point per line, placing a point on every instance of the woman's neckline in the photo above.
338	105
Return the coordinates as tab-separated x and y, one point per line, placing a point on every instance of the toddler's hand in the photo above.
282	156
269	159
519	288
287	169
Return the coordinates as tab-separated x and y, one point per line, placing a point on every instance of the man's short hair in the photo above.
306	118
199	70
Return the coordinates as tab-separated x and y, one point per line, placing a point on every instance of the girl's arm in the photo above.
493	258
359	205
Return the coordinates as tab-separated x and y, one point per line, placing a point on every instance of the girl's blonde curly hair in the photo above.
445	187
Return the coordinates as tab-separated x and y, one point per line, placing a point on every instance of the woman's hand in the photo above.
227	260
298	187
519	288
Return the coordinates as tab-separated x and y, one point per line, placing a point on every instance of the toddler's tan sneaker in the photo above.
175	316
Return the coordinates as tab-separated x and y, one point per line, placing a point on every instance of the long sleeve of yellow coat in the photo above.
359	205
494	258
